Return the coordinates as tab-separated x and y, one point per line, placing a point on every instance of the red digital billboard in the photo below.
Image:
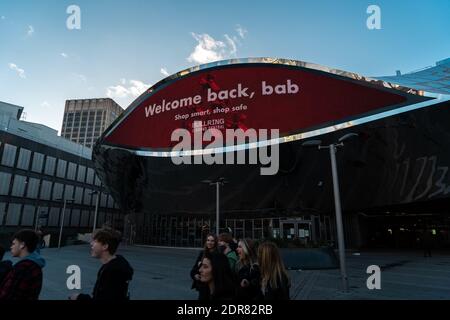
260	96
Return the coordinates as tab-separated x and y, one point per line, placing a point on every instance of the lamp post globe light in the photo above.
337	199
218	182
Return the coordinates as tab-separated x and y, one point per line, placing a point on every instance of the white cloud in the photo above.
64	55
241	31
137	87
207	49
232	44
45	104
134	89
117	92
30	31
19	71
164	72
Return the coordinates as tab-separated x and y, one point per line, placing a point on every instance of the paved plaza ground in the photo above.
163	273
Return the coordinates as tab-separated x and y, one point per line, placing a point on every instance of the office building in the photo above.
86	119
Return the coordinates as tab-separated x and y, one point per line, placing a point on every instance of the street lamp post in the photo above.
62	220
337	199
37	218
219	182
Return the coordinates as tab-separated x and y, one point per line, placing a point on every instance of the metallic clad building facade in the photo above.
397	164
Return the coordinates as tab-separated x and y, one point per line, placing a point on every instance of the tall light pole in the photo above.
37	218
337	199
97	201
62	220
219	182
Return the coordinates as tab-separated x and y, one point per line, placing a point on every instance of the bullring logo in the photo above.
191	148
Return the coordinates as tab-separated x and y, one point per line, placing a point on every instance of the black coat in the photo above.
253	275
196	270
112	281
279	293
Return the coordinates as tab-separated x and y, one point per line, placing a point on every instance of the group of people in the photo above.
23	280
225	269
239	270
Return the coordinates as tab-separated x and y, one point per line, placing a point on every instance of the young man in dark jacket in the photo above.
24	281
114	275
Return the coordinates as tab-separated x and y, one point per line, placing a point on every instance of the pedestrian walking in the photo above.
115	274
24	281
275	282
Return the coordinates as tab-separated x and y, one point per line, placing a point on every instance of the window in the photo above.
28	215
5	181
97	181
71	171
19	186
2	212
75	221
87	196
53	218
33	188
50	166
84	218
66	215
100	218
45	190
103	200
78	195
68	193
57	191
61	171
38	161
13	215
9	155
81	173
24	159
110	202
90	176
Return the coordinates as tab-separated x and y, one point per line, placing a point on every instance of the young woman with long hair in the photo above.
275	282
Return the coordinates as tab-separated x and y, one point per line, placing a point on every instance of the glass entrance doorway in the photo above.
297	230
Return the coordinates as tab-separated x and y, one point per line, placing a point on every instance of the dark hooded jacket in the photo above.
112	283
24	281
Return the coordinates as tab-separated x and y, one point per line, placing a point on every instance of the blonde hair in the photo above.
249	254
271	265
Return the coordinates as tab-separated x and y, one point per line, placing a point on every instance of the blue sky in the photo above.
123	46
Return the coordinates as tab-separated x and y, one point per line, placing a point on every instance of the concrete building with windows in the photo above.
38	169
86	119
